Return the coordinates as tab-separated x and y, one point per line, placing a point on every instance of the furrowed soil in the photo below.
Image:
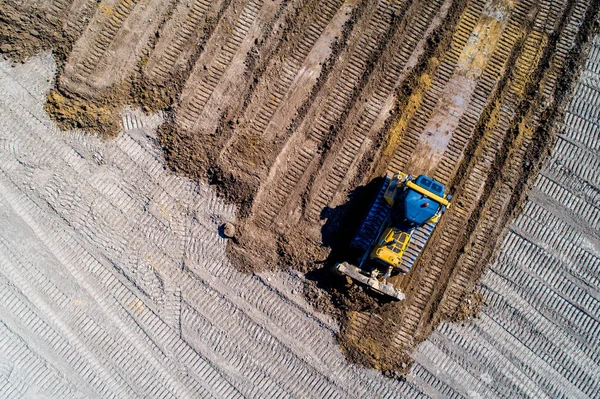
294	109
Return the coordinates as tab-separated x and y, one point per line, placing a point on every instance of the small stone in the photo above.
228	230
6	48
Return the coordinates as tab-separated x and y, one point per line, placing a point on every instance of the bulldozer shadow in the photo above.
341	224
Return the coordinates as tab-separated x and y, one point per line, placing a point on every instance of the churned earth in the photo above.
292	110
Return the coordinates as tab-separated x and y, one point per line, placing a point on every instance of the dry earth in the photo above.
293	108
114	281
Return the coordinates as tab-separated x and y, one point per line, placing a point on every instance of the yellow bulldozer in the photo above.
395	230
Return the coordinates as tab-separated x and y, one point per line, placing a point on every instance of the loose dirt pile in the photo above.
294	108
72	113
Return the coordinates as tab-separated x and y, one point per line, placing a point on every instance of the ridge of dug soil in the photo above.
293	109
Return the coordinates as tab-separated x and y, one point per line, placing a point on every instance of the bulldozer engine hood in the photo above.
418	208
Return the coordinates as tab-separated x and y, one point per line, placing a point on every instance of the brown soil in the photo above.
292	109
469	309
72	113
24	34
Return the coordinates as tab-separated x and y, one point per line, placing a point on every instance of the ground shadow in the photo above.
341	225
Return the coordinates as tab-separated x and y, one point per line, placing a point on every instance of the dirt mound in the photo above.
23	34
77	114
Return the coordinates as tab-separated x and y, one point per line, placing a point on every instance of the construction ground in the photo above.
132	130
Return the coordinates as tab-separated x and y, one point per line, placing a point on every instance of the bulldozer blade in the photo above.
383	288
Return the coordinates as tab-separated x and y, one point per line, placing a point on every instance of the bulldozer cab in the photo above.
431	185
390	248
422	200
395	229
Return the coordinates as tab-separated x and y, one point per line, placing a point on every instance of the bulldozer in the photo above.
395	230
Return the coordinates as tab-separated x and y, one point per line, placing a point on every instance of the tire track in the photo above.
202	82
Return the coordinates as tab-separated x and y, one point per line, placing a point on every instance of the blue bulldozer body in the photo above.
395	230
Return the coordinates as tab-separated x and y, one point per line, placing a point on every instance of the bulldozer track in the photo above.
107	31
281	75
246	326
343	89
202	83
484	90
483	351
212	321
479	361
331	176
340	99
106	379
414	310
264	299
125	299
413	315
463	274
78	13
103	57
499	200
187	19
269	47
59	245
583	325
443	74
85	327
510	316
567	173
455	218
59	7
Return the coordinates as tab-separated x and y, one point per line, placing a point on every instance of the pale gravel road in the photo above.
114	281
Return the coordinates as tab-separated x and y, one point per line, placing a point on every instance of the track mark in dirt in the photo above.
291	108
